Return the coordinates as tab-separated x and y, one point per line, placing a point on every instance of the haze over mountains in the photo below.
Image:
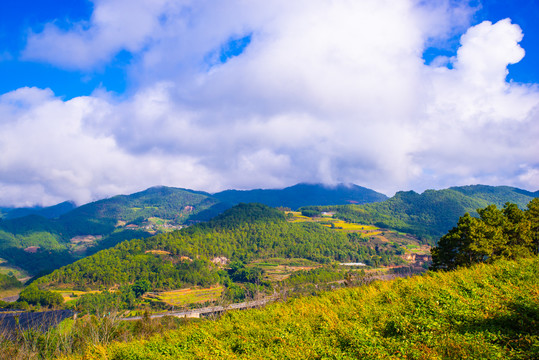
42	239
300	195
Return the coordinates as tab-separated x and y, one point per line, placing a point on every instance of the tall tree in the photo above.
532	214
508	233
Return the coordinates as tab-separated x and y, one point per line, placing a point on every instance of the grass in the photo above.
342	225
297	217
286	262
9	293
485	312
157	221
263	264
337	224
185	297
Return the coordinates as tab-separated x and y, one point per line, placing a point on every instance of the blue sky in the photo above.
18	18
112	96
522	12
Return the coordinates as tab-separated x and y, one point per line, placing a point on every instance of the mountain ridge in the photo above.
303	194
31	242
432	213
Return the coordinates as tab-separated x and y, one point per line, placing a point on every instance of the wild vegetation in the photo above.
9	282
486	311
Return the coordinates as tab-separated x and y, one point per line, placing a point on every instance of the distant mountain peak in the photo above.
304	194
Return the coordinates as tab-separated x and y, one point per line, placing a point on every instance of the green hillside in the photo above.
300	195
431	214
35	243
162	202
246	232
484	312
48	238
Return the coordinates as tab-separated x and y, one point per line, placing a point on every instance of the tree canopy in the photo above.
507	233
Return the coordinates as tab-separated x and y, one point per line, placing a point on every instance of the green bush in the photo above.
35	296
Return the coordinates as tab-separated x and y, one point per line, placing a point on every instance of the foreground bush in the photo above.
484	312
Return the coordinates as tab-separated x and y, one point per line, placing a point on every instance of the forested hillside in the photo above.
507	233
431	214
244	233
36	243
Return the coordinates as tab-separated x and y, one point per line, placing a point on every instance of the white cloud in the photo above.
49	154
332	91
115	25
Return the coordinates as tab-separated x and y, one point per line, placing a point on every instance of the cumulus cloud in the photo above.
328	91
49	154
115	25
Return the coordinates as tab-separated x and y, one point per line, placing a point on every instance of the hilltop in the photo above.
49	212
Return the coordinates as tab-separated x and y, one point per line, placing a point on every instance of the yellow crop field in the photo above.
159	252
297	217
342	225
69	294
185	297
330	222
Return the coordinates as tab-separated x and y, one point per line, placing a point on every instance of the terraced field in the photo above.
185	297
373	236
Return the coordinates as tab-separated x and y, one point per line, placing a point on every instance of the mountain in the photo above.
497	195
48	239
300	195
36	243
49	212
434	212
174	204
